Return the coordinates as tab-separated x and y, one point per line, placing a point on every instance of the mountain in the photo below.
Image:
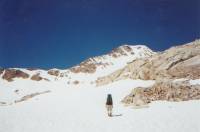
117	58
92	67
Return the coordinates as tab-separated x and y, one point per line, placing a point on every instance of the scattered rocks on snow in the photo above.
30	96
76	82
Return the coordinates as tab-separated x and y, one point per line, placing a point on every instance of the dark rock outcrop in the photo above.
9	74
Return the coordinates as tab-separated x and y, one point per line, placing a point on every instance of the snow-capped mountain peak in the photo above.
98	66
115	59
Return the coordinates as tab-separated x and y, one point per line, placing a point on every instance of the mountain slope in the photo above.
177	62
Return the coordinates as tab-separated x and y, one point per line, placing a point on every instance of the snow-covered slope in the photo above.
82	109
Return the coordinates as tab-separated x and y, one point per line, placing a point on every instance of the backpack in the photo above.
109	100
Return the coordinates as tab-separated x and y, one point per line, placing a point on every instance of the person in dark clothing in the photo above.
109	104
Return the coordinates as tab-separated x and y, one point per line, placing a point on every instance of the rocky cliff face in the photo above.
177	62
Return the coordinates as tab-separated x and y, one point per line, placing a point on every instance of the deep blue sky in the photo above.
62	33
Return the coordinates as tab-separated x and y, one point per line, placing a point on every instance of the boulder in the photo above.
36	77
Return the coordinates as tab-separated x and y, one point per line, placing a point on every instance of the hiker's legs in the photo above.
107	107
109	110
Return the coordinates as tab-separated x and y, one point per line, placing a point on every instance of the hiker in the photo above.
109	105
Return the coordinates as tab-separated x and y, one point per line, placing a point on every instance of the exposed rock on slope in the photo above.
53	72
176	62
84	67
27	97
163	90
36	77
9	74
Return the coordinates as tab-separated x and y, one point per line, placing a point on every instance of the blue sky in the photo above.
62	33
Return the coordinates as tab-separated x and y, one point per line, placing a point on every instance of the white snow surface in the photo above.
195	82
81	108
